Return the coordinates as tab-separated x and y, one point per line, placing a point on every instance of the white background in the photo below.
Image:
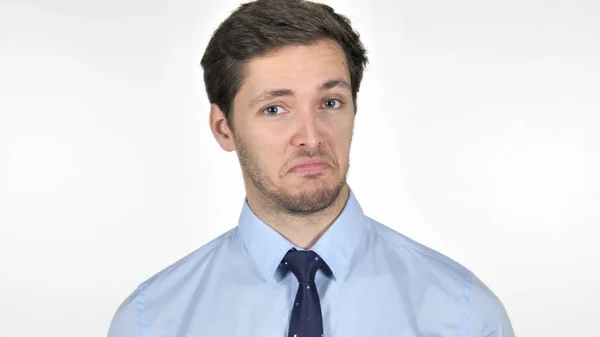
477	134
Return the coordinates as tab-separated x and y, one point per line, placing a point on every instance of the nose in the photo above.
308	129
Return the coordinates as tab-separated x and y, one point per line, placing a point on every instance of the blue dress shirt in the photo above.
382	284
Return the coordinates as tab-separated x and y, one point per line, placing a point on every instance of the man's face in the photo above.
294	105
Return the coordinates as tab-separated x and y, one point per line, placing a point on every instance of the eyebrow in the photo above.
270	94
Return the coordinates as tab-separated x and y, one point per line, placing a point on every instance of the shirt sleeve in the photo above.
126	321
486	316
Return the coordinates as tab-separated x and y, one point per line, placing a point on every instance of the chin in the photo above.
315	183
312	197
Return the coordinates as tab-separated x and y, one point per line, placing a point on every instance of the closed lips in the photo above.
309	162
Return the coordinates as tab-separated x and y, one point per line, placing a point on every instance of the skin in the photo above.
303	119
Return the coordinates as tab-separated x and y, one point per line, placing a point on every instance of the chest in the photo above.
380	307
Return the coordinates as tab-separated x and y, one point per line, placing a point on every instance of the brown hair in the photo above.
261	26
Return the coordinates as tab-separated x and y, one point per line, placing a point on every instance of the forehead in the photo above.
296	67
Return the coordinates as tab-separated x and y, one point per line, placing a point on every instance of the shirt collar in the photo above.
336	246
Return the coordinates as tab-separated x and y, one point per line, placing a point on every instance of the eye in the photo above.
272	110
332	103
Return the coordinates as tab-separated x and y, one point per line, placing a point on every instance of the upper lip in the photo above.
308	161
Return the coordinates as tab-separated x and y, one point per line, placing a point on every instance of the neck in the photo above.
302	230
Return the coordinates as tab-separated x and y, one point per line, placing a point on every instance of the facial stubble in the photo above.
302	202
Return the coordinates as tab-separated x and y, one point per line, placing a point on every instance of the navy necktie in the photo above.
306	319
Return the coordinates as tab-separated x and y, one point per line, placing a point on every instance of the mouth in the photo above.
310	168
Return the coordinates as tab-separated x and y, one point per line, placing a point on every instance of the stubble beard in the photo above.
303	202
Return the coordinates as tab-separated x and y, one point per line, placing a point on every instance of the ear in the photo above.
220	128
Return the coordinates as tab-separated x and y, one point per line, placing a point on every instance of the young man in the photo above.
282	77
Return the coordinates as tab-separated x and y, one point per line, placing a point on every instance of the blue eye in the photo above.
272	110
332	103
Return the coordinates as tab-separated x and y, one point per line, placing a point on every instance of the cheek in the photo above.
343	133
269	150
344	138
270	142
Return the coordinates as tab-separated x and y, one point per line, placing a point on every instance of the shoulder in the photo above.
193	263
427	259
484	314
129	319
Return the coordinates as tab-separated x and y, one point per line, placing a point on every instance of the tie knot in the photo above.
303	264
